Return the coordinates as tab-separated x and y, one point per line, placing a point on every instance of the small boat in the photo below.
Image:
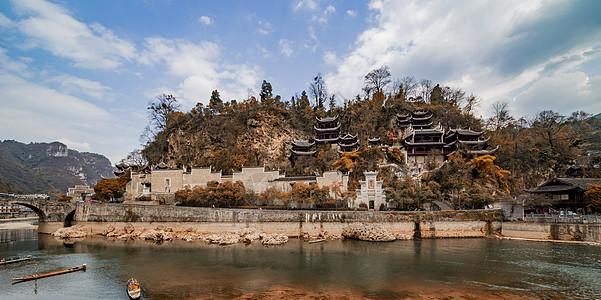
10	260
133	288
48	274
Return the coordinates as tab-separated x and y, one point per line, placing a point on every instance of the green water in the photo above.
179	270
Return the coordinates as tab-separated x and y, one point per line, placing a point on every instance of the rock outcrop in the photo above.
274	239
76	231
367	232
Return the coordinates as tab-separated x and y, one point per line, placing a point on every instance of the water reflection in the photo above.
380	270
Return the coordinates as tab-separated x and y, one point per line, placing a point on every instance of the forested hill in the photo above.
227	135
49	168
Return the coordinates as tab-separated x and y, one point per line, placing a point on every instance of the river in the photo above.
424	269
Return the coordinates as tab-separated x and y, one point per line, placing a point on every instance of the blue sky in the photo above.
82	72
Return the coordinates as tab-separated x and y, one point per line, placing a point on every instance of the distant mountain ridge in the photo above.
49	168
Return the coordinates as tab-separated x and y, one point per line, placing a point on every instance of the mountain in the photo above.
49	168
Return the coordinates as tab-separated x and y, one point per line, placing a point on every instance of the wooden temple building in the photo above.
348	143
327	130
301	148
424	143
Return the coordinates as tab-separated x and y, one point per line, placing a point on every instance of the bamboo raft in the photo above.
10	260
48	274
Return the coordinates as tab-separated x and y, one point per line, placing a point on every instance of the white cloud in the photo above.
564	93
50	27
331	59
201	68
6	63
70	85
286	47
306	5
351	13
205	20
265	28
485	48
5	21
79	146
327	13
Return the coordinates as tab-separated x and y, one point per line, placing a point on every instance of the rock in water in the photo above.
367	232
274	239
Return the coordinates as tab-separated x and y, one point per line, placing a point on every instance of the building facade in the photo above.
162	183
371	193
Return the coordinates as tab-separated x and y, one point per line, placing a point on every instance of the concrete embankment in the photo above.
442	224
553	231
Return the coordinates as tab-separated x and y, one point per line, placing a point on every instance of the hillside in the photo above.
48	167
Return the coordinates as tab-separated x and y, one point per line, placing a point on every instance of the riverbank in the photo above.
19	223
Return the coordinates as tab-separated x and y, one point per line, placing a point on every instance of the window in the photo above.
371	184
561	197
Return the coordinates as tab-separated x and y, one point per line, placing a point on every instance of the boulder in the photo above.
274	239
76	231
367	232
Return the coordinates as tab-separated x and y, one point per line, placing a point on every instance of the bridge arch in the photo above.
69	219
41	214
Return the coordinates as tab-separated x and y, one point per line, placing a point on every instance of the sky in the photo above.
83	72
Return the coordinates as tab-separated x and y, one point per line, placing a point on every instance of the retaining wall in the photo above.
441	224
553	231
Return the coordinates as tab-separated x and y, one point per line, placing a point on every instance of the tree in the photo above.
317	88
425	89
501	117
110	189
377	80
216	104
159	112
266	91
593	197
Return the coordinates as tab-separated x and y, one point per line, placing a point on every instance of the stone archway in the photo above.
41	214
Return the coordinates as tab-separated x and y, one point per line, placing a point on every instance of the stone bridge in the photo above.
47	210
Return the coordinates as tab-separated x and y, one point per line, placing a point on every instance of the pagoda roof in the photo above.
483	152
420	112
348	136
341	151
413	144
353	144
326	140
465	132
294	152
303	143
422	118
564	185
327	129
327	119
478	142
373	140
427	131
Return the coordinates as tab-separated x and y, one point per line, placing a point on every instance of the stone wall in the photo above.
443	224
553	231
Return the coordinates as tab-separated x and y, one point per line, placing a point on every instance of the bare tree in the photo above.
425	89
317	89
501	117
159	111
471	102
377	80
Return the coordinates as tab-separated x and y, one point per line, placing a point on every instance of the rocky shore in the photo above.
360	231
